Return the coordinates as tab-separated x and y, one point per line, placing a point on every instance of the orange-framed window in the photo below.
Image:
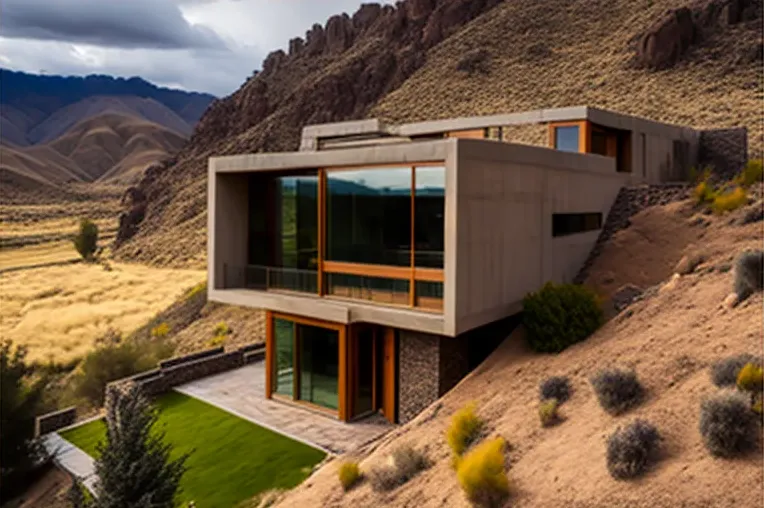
570	136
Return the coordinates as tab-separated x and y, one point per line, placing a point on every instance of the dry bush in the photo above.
751	380
749	273
617	390
753	172
406	462
221	329
724	372
476	61
548	412
555	387
160	331
349	474
86	239
482	474
703	193
630	450
729	201
464	430
728	425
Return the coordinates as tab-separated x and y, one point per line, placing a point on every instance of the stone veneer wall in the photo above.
418	373
724	149
51	422
454	362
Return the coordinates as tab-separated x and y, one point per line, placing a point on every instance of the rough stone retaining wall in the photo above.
629	202
726	150
56	420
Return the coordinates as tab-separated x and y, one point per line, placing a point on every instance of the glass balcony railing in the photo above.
271	277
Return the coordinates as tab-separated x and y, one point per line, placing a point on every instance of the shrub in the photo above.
464	429
196	290
114	360
617	390
349	474
752	173
482	475
548	412
724	372
751	380
476	61
221	329
630	450
559	315
86	239
749	273
727	424
160	331
728	201
555	387
699	175
216	341
703	193
406	462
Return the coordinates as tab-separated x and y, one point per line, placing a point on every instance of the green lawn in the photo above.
232	460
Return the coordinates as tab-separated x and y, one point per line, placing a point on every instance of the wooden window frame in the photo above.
584	134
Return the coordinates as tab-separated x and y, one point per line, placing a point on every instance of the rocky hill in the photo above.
692	63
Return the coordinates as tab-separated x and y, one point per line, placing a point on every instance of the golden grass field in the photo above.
58	311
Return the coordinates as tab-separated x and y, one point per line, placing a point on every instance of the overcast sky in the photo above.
202	45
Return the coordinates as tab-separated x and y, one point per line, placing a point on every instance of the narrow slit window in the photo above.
564	224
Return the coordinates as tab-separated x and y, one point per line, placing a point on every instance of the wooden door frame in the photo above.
389	376
354	365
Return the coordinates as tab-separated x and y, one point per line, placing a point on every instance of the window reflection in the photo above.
566	138
429	210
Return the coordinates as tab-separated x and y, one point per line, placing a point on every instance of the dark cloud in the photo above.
109	23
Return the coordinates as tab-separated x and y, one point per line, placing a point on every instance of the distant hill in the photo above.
38	108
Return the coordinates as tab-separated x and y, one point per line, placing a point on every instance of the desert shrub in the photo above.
477	61
221	329
749	273
751	380
548	412
617	390
482	474
160	331
727	424
217	340
86	239
631	449
730	200
559	315
724	372
406	462
555	387
703	193
464	429
349	474
752	173
196	290
697	175
113	359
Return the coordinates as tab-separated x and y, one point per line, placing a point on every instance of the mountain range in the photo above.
56	130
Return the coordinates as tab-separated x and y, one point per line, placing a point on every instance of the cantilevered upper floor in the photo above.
438	236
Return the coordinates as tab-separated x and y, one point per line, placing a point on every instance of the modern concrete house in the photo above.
379	252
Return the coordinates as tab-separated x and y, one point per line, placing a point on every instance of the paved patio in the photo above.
242	393
71	458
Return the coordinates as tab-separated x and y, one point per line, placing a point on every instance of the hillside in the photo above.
110	147
401	62
34	108
670	338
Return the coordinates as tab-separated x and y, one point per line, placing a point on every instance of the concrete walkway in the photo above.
72	459
242	393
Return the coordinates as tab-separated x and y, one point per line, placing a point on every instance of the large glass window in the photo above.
429	210
429	295
566	138
369	216
376	289
319	365
283	343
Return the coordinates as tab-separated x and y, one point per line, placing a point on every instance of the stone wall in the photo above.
418	373
454	362
51	422
726	150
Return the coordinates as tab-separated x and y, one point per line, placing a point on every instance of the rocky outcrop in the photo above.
665	43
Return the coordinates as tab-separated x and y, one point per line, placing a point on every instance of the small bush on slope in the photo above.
751	380
752	173
559	315
555	387
617	390
86	239
703	193
728	425
349	474
749	273
482	476
724	372
631	449
548	412
464	430
406	463
729	201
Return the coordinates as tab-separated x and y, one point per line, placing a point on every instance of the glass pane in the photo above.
376	289
429	294
283	338
599	143
566	138
429	209
364	364
298	222
369	216
319	365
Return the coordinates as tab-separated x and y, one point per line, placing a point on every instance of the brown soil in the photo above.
247	326
50	491
670	339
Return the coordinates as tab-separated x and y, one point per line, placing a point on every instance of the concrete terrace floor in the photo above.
242	393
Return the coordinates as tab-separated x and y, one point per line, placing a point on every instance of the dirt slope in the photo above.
670	339
401	63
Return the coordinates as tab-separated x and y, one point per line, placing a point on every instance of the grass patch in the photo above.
232	459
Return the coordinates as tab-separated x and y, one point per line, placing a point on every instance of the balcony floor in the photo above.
242	392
